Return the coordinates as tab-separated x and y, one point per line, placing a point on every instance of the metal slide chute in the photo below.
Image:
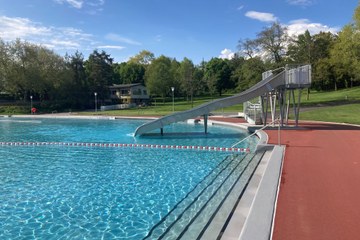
268	84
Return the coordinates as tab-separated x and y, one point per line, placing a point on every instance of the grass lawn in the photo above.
344	96
337	106
341	106
160	108
349	113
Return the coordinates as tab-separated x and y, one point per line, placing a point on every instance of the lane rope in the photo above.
129	145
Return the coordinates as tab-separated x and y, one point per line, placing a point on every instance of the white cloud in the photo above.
227	54
64	44
96	3
299	26
51	37
111	47
261	16
158	38
240	7
91	7
94	7
118	38
74	3
301	2
12	28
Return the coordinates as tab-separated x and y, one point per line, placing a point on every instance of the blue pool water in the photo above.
60	192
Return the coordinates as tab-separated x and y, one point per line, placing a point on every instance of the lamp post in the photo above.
95	94
172	89
31	111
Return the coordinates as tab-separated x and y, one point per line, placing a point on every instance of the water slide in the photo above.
268	84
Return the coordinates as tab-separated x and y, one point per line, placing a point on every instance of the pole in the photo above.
95	94
279	133
31	105
172	89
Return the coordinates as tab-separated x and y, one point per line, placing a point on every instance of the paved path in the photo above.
320	188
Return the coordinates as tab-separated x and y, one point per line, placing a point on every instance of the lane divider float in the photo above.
129	145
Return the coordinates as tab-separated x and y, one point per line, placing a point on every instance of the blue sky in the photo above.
196	29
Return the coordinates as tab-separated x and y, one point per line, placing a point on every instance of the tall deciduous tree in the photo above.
218	75
248	48
145	57
100	73
130	72
77	89
187	81
273	40
30	69
300	50
345	53
250	73
159	78
345	56
4	64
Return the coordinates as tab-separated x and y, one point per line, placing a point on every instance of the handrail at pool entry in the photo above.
254	133
129	145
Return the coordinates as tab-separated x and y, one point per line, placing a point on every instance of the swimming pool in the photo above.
86	192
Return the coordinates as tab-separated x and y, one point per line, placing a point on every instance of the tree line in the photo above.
70	81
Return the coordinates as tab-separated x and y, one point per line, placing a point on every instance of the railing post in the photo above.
205	122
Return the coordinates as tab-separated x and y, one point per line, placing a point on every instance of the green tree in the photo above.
187	80
31	70
159	78
218	76
130	72
323	76
145	57
301	48
200	87
76	90
323	42
237	70
356	17
100	73
4	65
249	73
248	48
273	40
345	54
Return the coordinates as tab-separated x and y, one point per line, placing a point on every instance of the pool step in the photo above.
191	227
178	210
191	217
211	223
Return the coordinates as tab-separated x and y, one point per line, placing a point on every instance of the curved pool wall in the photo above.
98	131
41	212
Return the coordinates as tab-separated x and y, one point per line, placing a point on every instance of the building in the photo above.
134	94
